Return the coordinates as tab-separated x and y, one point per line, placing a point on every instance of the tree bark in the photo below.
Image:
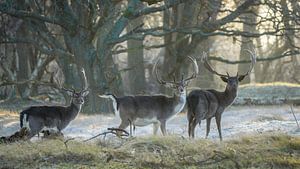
135	60
24	52
247	44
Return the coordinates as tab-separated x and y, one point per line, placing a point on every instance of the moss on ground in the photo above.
257	151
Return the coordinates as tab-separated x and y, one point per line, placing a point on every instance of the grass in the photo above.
257	151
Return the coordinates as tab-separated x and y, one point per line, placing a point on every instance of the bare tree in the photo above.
84	33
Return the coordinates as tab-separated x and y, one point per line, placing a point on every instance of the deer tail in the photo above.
191	105
23	117
115	101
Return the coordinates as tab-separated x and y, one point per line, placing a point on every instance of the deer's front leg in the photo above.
163	127
218	121
155	127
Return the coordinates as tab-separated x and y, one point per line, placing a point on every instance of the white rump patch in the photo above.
117	112
25	122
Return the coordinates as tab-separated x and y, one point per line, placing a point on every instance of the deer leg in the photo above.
190	119
59	132
130	125
207	126
34	129
155	127
124	124
163	127
193	125
218	121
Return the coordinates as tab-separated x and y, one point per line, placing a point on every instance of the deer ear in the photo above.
85	93
240	78
224	79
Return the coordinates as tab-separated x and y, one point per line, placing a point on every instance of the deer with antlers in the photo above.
206	104
143	110
36	118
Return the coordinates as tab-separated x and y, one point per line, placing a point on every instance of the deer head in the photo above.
232	81
78	97
177	85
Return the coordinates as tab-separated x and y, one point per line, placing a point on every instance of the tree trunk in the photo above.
170	19
258	68
24	52
209	10
247	44
135	59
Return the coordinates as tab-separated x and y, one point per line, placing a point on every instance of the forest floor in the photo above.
254	136
236	121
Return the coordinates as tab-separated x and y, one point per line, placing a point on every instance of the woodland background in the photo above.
44	43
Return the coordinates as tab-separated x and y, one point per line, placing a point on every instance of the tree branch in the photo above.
130	15
44	83
206	29
43	49
285	54
214	25
30	15
162	31
168	4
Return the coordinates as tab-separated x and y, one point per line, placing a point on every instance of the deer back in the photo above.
157	106
205	102
51	116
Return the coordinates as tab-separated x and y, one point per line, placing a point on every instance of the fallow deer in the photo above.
36	118
143	110
206	104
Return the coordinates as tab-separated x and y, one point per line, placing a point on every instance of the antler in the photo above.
85	87
253	61
208	66
163	82
196	69
160	80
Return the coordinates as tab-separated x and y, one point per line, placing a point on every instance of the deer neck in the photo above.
74	110
179	100
229	96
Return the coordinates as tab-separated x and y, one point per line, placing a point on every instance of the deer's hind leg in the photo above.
191	122
208	120
163	127
155	127
124	124
192	125
35	127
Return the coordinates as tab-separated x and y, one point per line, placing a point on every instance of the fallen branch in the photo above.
20	135
114	131
66	142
